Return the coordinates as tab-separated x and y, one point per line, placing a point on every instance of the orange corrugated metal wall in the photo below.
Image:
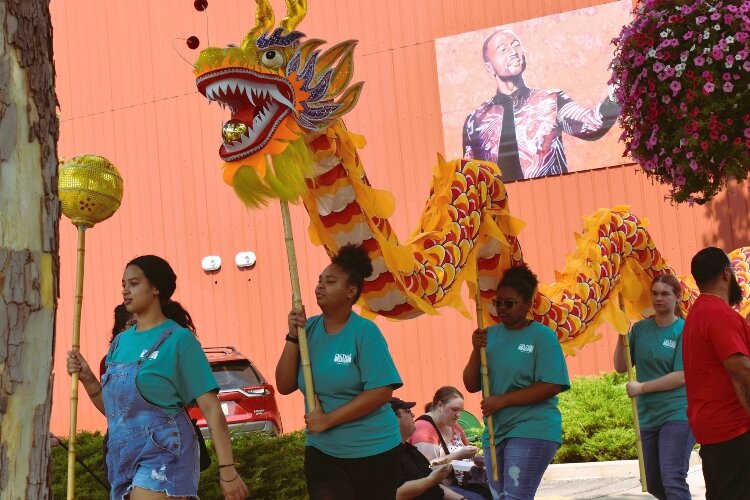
126	93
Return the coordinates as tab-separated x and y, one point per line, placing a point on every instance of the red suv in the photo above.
246	398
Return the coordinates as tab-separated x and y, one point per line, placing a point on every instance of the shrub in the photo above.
89	451
597	426
271	466
597	422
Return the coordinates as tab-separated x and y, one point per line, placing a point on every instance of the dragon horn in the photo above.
263	23
296	12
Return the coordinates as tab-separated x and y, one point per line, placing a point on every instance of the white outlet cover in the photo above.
245	259
211	263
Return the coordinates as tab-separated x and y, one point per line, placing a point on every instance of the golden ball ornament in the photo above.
233	130
90	189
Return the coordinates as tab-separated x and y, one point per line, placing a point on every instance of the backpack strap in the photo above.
443	444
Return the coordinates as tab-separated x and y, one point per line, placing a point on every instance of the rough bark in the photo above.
29	217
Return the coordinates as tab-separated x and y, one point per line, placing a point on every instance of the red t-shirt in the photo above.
713	332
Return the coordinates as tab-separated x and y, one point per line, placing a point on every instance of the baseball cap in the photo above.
400	404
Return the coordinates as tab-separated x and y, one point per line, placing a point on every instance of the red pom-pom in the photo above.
200	5
193	42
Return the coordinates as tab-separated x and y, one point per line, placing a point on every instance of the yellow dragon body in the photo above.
286	140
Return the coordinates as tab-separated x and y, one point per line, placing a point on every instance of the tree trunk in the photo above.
29	217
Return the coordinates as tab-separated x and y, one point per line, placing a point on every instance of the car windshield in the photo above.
235	375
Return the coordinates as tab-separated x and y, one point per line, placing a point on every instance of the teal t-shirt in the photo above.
343	365
517	359
656	351
175	374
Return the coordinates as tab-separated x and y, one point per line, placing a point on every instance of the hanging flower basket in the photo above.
682	73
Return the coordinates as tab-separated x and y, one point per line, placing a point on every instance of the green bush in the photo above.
597	423
272	467
597	426
474	436
89	451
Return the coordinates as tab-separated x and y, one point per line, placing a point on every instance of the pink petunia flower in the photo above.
727	87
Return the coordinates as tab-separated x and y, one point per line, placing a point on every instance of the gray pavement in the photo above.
611	480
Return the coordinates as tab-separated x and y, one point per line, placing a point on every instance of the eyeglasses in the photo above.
507	304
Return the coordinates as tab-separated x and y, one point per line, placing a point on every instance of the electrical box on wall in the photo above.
211	263
245	259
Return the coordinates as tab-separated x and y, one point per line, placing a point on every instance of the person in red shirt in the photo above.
716	346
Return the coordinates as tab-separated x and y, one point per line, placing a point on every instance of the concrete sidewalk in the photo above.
613	480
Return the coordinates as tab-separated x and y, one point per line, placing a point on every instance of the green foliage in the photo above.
272	467
474	436
89	451
597	422
597	426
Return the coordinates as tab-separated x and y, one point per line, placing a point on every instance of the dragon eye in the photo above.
272	59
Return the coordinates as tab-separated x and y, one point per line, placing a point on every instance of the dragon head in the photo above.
279	90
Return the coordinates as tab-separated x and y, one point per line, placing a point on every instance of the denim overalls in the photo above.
148	447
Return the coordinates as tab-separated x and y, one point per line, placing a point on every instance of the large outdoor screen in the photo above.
533	95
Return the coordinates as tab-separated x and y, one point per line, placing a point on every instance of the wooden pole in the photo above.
634	406
304	353
486	382
74	378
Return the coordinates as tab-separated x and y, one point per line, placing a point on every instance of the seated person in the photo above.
438	435
417	480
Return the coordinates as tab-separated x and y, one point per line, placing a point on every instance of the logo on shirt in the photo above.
342	359
671	344
153	355
527	348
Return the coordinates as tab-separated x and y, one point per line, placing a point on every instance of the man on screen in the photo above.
520	128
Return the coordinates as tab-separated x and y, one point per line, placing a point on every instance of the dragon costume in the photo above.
286	139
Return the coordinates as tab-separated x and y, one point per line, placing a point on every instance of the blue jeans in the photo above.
666	456
521	463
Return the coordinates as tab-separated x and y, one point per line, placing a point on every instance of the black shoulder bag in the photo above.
443	444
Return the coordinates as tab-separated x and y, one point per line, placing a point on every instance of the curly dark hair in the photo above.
356	263
522	280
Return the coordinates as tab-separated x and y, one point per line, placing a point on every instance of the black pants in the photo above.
368	478
726	469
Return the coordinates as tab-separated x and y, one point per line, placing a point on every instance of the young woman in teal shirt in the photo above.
153	370
526	370
353	442
656	350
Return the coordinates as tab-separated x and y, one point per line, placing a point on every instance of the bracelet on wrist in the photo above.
95	393
291	339
226	465
229	480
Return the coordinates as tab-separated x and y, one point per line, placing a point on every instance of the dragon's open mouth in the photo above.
258	102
